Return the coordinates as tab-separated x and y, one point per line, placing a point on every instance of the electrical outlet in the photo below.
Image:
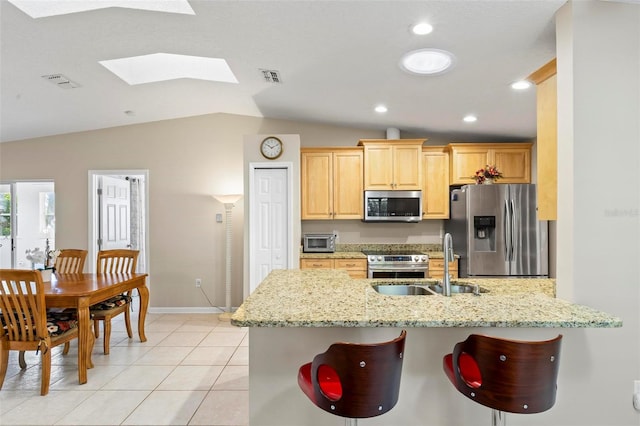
198	282
636	395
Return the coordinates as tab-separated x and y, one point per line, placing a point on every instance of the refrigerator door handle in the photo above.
507	231
514	228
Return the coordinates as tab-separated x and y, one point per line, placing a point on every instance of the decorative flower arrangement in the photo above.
35	256
488	172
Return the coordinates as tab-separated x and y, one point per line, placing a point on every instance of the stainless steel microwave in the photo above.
319	243
392	206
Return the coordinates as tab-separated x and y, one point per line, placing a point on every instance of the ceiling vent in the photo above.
271	76
61	81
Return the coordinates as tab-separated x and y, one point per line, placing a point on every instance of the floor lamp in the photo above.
229	202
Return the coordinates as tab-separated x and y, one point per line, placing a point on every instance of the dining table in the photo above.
80	291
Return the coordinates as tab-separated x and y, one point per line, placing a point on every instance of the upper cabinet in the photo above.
392	164
513	160
435	189
547	143
331	183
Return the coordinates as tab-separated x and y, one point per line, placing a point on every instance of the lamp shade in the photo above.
227	198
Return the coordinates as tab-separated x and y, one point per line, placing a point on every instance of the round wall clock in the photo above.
271	148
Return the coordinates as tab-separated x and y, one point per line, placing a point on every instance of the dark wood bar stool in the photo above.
505	375
355	380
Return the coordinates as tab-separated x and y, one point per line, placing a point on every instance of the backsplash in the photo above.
389	247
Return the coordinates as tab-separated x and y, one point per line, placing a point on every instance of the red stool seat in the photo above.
355	380
505	375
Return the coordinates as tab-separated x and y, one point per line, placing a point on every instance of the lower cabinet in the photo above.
356	268
436	268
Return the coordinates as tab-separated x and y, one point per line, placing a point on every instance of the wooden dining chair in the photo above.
505	375
119	261
70	261
26	325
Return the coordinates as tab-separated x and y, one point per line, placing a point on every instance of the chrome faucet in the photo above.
448	257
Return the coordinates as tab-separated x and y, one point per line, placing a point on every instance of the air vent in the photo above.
61	81
271	76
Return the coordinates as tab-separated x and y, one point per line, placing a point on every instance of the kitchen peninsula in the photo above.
295	314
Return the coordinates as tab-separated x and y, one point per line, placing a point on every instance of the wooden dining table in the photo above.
80	291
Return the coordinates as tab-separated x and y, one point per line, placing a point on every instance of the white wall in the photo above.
598	50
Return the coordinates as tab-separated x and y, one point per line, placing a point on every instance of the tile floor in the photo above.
192	370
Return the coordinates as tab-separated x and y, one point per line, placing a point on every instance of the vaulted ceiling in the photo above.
337	60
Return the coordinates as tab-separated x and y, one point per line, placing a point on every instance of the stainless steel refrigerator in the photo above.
496	232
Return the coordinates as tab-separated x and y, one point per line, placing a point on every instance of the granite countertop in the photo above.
330	298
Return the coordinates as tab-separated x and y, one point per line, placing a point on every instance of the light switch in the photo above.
219	217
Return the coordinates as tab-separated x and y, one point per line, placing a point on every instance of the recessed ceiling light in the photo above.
470	118
166	66
521	85
427	61
380	109
41	9
422	28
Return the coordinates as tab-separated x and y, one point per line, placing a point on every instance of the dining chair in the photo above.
118	261
505	375
26	325
353	380
70	261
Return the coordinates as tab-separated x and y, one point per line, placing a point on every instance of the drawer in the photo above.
316	263
351	264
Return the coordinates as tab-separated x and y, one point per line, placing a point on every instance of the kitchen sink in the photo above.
403	290
418	289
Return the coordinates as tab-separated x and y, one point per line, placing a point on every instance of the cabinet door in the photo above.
316	170
378	167
465	161
407	170
435	190
547	149
348	196
514	164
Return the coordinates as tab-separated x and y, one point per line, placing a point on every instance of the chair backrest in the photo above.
369	375
515	376
23	315
70	261
117	261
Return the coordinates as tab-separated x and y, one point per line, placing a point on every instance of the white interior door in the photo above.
270	228
115	232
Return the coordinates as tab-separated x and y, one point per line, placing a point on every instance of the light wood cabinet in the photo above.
513	160
392	164
547	141
331	183
436	268
356	268
435	185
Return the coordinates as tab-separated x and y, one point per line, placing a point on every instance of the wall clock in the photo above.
271	148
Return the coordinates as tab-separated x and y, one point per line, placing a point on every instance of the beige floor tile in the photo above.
120	355
166	408
223	408
189	338
44	410
168	355
153	338
233	377
191	377
223	338
139	377
97	377
198	325
240	356
104	408
209	355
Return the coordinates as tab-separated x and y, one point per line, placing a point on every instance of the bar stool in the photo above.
354	380
505	375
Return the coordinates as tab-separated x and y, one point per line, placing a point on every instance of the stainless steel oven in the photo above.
396	265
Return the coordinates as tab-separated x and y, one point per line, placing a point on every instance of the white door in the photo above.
114	201
270	227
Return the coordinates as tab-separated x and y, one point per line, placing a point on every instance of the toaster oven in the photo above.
319	243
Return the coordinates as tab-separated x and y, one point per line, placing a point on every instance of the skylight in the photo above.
41	9
166	66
